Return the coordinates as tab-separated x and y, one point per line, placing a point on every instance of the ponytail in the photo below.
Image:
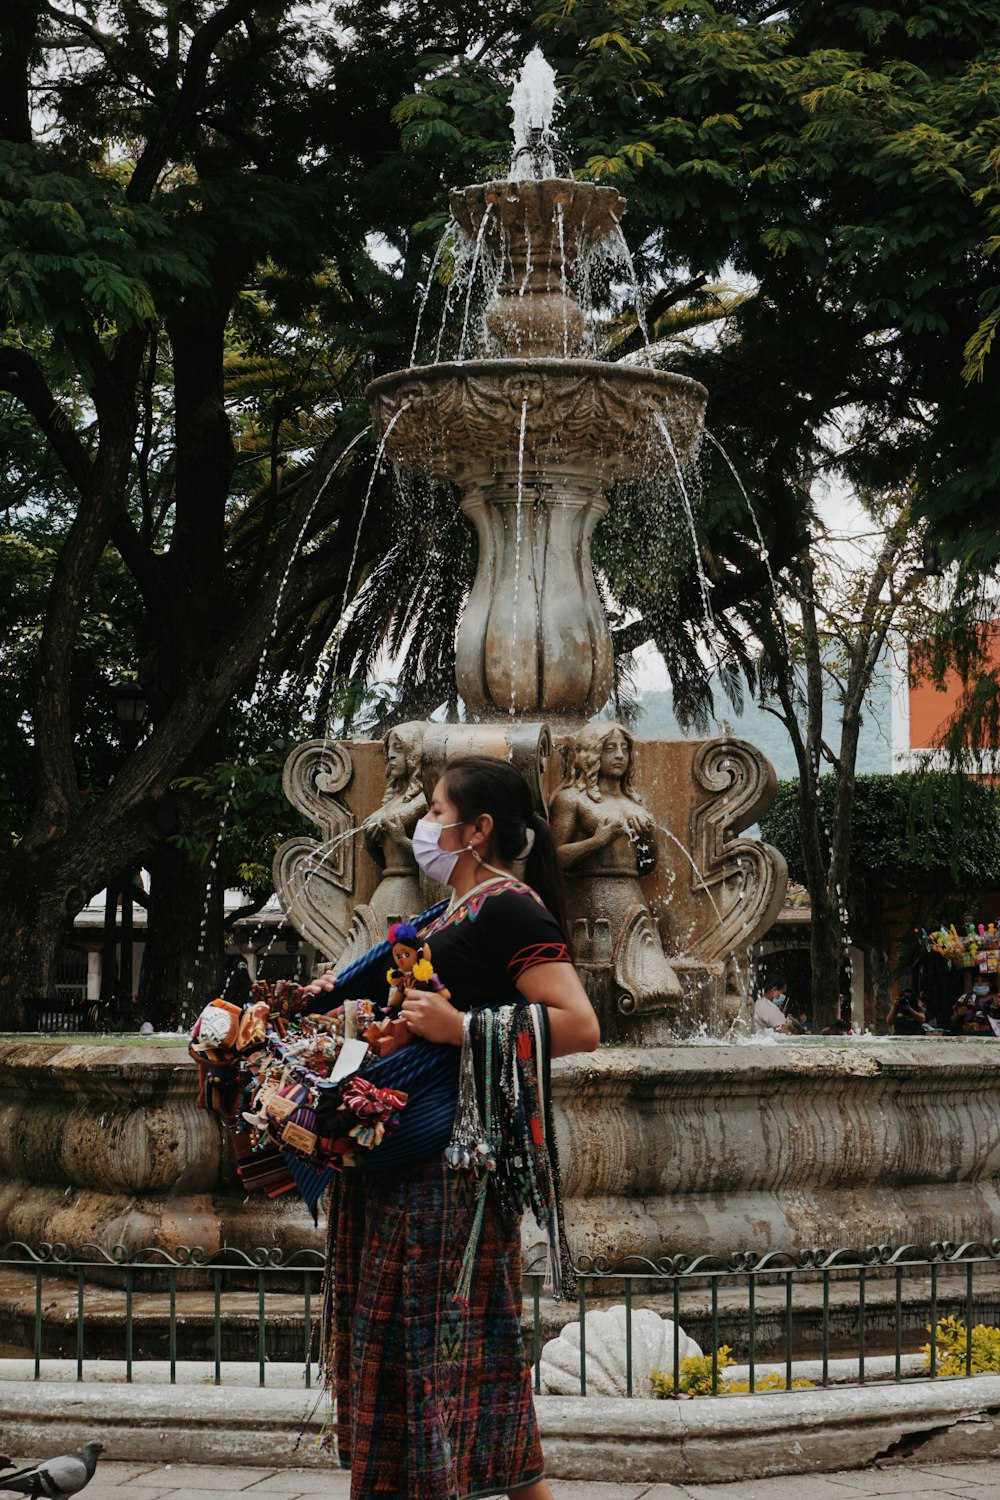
543	872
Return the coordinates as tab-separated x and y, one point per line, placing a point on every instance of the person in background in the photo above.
767	1012
907	1016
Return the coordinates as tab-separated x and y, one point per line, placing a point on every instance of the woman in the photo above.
434	1398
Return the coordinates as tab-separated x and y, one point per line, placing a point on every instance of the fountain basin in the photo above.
102	1143
777	1145
527	212
664	1150
459	421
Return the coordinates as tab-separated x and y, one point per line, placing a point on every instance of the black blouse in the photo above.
481	948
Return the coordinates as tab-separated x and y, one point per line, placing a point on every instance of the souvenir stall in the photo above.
974	954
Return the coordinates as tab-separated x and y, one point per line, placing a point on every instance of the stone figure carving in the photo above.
387	834
606	840
314	878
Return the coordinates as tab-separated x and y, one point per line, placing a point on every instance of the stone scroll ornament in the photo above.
606	841
314	878
744	880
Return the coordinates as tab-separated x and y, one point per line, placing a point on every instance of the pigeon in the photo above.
55	1478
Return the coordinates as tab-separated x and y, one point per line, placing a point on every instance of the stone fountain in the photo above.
664	896
678	1135
668	1143
536	438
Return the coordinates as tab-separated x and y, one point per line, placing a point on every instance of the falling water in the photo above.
703	581
561	225
449	234
765	554
213	862
472	276
462	257
330	848
380	454
634	280
533	102
527	263
517	544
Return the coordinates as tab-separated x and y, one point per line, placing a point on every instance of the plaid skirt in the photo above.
433	1399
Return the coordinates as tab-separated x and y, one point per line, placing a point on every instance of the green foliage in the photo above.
240	816
928	832
695	1378
952	1343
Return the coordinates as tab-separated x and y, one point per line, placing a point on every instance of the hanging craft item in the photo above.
977	947
503	1130
265	1068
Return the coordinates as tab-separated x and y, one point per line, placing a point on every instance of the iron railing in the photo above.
874	1308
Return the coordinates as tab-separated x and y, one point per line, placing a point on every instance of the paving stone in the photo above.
974	1473
785	1487
596	1489
893	1480
333	1481
661	1492
98	1491
191	1477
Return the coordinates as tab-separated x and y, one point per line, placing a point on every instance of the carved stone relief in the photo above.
745	879
387	833
314	879
606	840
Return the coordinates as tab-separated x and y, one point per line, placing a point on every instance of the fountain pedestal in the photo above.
533	634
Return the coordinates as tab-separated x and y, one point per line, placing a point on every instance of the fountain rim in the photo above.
506	368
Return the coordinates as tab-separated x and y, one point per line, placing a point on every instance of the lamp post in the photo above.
130	711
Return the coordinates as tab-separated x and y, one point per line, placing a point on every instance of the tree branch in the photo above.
22	377
191	93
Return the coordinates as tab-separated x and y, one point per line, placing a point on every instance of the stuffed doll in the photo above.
411	970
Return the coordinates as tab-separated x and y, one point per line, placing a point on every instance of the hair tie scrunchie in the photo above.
529	843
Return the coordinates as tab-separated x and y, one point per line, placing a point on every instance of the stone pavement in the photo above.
906	1481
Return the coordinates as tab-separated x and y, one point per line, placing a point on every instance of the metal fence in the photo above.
780	1314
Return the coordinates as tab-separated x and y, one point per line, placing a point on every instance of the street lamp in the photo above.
130	711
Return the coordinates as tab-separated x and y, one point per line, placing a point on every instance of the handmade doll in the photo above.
411	970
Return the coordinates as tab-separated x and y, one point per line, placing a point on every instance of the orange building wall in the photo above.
932	708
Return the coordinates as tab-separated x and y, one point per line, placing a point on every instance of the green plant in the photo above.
695	1378
952	1343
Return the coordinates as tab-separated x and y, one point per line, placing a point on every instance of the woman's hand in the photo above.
321	986
429	1016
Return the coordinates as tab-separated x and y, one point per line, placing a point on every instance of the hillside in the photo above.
657	721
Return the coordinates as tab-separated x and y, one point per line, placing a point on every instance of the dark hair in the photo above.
479	784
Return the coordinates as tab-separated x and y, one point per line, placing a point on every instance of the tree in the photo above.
843	614
928	840
191	311
158	216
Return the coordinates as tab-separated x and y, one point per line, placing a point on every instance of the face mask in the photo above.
436	862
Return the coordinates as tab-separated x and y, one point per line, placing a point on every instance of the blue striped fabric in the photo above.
428	1072
356	981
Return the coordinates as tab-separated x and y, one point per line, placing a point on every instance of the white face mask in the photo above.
436	862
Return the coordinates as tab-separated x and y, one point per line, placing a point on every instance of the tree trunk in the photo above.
36	923
826	951
183	965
